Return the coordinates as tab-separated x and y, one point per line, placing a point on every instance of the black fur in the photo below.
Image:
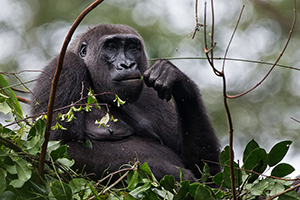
166	134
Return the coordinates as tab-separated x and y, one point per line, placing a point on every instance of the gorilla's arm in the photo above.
199	140
69	88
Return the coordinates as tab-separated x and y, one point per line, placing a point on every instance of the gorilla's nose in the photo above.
126	65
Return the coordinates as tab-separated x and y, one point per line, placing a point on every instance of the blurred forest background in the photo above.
32	32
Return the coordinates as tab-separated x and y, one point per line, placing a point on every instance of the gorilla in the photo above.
163	121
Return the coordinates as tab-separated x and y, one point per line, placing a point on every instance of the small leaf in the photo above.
218	179
3	183
224	155
168	182
278	152
61	190
12	101
249	148
203	193
88	143
282	170
59	153
227	176
146	169
193	188
137	191
24	172
277	188
206	173
183	191
258	189
119	101
132	180
291	195
103	121
254	157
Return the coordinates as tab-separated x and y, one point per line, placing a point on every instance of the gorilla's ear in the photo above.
83	50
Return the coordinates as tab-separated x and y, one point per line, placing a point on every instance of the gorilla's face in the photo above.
116	63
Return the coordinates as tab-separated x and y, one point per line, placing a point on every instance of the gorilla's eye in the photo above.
111	46
83	48
133	47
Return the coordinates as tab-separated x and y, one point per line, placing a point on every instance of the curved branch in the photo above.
55	82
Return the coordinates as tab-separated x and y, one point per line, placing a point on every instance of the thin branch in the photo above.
55	82
212	42
218	73
232	36
228	59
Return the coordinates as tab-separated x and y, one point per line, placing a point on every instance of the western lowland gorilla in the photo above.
111	59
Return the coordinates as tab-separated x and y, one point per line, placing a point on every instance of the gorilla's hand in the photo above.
162	76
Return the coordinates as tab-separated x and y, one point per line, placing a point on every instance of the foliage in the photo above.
19	155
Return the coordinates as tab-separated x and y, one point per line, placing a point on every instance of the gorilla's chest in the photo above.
127	124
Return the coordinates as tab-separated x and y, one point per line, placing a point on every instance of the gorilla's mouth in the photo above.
128	77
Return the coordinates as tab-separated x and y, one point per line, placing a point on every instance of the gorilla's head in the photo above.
115	57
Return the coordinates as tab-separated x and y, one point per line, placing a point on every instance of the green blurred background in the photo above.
32	32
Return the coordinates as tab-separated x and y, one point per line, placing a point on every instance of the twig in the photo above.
23	100
134	167
55	83
228	59
230	41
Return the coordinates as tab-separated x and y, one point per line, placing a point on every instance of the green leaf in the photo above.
282	170
227	176
88	143
127	196
145	168
59	153
183	191
291	195
24	172
61	190
168	182
119	101
204	193
3	183
17	183
8	195
193	188
12	101
103	121
277	188
139	190
35	137
4	107
52	145
218	179
278	152
206	173
249	148
254	157
224	155
132	180
256	161
258	189
80	187
66	162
